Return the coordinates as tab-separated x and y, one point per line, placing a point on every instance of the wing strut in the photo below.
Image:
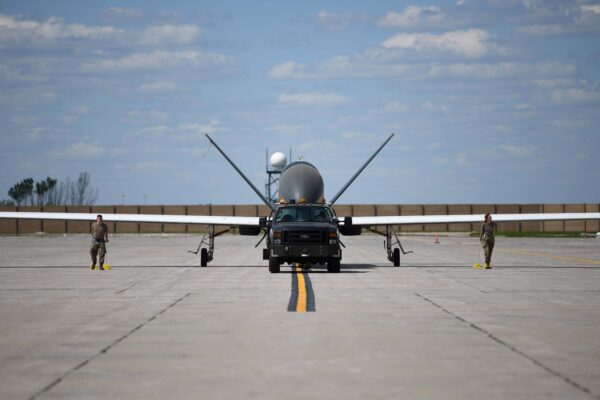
360	170
267	202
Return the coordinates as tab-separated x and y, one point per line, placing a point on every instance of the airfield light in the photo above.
302	200
282	201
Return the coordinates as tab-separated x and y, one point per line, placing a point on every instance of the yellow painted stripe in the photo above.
301	305
553	256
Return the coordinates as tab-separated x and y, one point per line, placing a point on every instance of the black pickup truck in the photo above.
304	233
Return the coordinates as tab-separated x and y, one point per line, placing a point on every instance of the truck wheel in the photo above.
333	265
396	257
203	258
274	265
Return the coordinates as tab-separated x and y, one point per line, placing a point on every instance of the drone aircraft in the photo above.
302	226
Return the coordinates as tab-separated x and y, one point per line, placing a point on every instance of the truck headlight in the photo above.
333	237
276	235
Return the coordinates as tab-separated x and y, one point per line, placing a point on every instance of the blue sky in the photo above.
491	102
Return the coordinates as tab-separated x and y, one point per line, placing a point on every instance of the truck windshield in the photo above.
303	214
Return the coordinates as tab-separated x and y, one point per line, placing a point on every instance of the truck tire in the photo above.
333	265
203	258
274	265
396	257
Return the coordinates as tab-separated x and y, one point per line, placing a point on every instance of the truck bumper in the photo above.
306	253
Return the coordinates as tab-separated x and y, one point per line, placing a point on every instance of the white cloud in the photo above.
338	21
524	107
585	18
501	70
413	16
144	117
189	131
35	133
151	131
199	129
394	107
79	150
170	34
311	99
574	96
515	151
285	70
27	98
80	110
364	65
290	130
594	8
17	29
120	15
160	86
472	43
147	166
157	60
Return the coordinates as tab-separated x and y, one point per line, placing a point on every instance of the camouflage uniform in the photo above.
487	240
99	231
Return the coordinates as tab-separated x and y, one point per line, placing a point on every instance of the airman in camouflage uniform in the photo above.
486	236
99	239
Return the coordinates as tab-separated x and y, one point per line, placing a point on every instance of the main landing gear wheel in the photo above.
333	265
274	265
396	257
203	258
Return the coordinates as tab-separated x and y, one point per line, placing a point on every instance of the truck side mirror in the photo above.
262	222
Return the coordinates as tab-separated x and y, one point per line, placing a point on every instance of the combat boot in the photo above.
488	266
93	266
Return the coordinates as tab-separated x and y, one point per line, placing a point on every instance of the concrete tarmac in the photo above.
158	326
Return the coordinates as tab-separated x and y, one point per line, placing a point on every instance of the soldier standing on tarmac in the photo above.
99	239
486	236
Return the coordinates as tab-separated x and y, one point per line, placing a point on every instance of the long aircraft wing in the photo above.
465	218
254	221
158	218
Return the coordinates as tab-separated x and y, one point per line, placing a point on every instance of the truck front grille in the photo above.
304	237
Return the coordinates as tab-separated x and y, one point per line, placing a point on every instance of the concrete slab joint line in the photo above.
106	349
512	348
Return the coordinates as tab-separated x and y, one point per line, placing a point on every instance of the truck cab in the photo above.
304	233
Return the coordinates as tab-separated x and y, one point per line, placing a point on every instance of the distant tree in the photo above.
80	192
85	195
22	191
5	202
43	190
52	192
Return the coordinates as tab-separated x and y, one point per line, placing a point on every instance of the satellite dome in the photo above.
278	160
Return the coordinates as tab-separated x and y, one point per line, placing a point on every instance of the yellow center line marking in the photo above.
301	306
548	255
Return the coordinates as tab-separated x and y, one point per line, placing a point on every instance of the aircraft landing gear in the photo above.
206	254
203	258
396	257
393	254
